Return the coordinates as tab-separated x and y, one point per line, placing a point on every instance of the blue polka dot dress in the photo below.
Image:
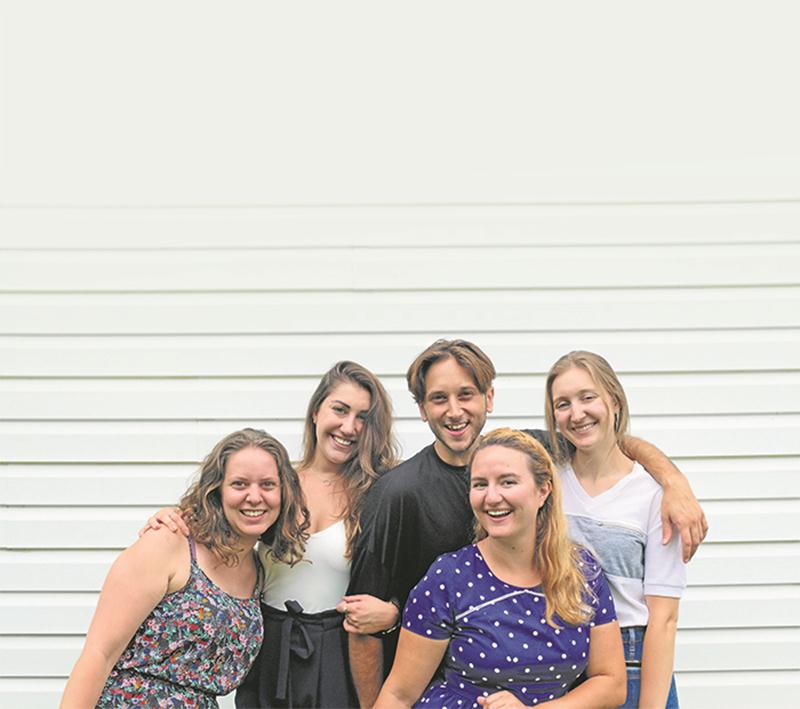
499	638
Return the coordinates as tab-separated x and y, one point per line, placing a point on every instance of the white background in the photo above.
204	205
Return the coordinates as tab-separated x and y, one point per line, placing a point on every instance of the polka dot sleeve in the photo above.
603	603
429	611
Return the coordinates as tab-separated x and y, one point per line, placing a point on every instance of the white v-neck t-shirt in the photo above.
621	527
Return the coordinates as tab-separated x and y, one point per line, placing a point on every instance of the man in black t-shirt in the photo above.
420	509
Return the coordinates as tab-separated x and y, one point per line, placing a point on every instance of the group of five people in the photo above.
493	545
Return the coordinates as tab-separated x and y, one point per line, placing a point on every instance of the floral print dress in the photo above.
196	644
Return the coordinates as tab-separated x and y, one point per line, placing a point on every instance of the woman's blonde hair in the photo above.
606	380
202	502
556	558
376	450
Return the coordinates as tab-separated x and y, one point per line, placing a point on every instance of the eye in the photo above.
339	409
437	398
466	395
478	484
238	484
362	417
562	405
589	397
509	482
269	484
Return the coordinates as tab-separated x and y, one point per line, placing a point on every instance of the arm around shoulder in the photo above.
142	575
679	505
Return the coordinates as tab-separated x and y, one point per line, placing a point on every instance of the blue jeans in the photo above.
632	639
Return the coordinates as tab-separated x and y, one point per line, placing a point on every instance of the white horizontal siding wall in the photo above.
191	233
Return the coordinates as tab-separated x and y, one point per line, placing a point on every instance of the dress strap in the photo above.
192	549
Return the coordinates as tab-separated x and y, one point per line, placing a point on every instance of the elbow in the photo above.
619	691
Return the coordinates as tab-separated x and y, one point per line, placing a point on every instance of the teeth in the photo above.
342	441
498	513
456	426
252	513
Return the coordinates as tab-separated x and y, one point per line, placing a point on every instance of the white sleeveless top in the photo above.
318	582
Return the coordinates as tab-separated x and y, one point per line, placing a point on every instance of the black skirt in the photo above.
302	663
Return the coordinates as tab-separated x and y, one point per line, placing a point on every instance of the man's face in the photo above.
454	409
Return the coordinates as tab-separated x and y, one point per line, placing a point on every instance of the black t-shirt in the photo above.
414	513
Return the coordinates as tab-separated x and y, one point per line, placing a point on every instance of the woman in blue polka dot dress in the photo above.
512	620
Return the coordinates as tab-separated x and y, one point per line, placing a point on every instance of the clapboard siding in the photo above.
280	355
98	527
182	254
187	441
427	313
44	484
284	398
577	225
407	269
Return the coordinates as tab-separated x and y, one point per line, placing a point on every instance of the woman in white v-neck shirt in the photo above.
613	508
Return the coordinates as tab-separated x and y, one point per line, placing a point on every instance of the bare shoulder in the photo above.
163	550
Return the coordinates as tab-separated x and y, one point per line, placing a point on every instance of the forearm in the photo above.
598	692
658	653
661	468
389	698
366	666
87	680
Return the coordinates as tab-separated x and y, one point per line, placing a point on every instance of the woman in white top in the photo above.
613	508
347	444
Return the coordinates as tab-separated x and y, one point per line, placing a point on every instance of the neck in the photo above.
512	559
599	463
321	466
451	457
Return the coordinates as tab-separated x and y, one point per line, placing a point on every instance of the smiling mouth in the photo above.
342	441
456	427
584	427
497	514
253	513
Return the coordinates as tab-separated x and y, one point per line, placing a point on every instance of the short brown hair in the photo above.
467	354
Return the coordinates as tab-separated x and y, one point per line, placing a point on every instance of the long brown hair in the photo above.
202	502
555	556
376	450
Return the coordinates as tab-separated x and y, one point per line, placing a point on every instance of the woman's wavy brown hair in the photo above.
376	450
202	502
556	558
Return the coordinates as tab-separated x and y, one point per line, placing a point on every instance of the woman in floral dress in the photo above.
178	623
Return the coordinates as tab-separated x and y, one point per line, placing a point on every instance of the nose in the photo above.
493	494
348	425
253	493
453	407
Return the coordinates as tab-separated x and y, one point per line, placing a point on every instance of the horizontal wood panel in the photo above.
221	355
714	564
171	441
427	313
114	528
70	613
379	227
407	268
739	689
45	484
67	399
721	649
